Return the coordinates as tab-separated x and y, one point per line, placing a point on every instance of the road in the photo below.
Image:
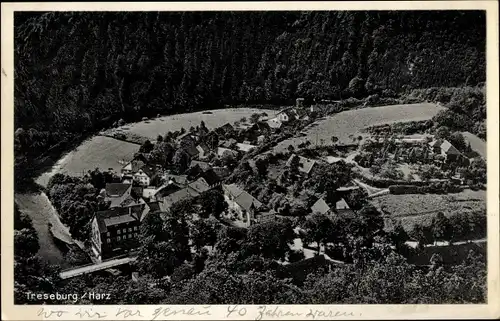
95	267
414	244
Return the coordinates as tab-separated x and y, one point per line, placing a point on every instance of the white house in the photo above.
274	123
287	114
141	178
245	205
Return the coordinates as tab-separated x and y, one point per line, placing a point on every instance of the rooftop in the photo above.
117	189
245	147
242	198
203	165
320	207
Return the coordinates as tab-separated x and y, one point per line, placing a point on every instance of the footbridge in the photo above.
86	269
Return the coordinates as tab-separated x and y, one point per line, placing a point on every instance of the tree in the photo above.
230	239
442	132
270	239
441	227
162	153
262	166
25	242
254	118
423	234
146	147
158	259
212	203
319	228
334	139
181	161
398	236
203	232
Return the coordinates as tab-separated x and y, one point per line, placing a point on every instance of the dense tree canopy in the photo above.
92	69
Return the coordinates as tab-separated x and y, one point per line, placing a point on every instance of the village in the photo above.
247	183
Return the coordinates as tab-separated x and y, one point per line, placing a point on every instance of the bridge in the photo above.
86	269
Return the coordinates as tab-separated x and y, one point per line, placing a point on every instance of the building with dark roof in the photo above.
177	196
244	205
446	149
203	165
225	129
116	193
116	231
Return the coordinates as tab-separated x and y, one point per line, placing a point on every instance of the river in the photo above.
38	207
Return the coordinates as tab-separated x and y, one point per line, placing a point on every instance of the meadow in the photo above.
348	125
98	151
421	208
212	119
477	144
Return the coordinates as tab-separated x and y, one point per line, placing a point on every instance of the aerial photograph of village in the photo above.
225	157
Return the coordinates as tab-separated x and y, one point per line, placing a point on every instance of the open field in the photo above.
421	208
99	151
477	144
212	118
350	124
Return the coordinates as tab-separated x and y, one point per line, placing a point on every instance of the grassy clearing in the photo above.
99	151
212	118
477	144
421	208
348	125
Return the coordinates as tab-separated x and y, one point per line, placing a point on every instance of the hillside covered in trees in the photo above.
78	72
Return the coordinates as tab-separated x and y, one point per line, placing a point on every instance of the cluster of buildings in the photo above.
115	231
427	148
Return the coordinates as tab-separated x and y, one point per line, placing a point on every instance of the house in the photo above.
287	114
341	207
446	149
306	165
187	139
264	217
177	196
167	189
115	231
203	150
181	180
200	185
221	172
320	207
149	192
203	165
132	167
275	123
212	140
228	143
116	193
242	203
141	178
245	147
191	150
224	130
221	151
259	128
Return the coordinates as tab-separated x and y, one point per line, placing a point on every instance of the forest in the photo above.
79	72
